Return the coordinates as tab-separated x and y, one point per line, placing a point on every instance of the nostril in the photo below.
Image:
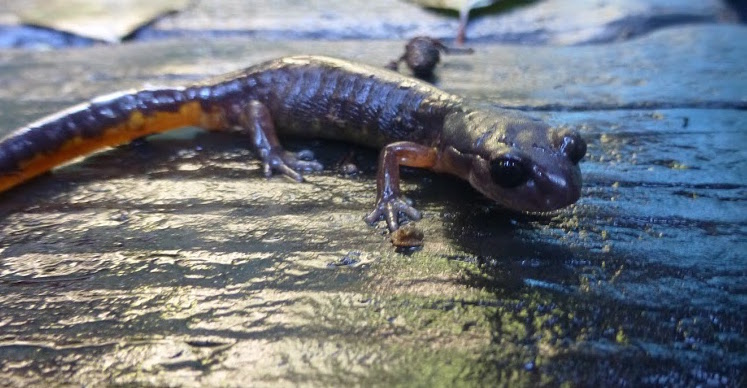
574	147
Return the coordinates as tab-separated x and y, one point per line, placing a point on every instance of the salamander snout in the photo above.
538	173
523	164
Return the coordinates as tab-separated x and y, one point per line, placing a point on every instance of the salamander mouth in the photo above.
555	191
541	214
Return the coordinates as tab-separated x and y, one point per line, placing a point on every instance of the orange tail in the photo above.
104	122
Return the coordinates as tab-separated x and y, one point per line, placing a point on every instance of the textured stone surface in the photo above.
174	262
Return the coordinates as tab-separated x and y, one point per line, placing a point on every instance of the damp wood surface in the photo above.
174	261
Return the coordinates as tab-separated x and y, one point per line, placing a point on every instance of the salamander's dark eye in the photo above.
508	172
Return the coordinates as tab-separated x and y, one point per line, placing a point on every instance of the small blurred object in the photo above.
407	236
461	6
105	20
422	54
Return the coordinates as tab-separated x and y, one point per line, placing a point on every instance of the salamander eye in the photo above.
508	171
574	147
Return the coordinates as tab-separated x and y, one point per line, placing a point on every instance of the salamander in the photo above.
520	162
422	54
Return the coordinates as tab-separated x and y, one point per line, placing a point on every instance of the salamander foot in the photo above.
255	121
390	208
290	164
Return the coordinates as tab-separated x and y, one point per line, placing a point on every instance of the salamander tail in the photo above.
103	122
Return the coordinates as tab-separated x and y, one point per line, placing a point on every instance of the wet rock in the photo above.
176	262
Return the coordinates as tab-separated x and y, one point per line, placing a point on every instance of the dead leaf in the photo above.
107	20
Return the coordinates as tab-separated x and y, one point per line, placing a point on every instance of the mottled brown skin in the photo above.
520	162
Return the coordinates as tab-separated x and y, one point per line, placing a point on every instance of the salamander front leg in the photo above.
257	122
390	202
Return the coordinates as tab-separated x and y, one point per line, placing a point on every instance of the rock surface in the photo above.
174	263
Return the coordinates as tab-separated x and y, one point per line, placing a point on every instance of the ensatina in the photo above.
520	162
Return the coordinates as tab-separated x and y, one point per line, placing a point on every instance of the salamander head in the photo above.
519	162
